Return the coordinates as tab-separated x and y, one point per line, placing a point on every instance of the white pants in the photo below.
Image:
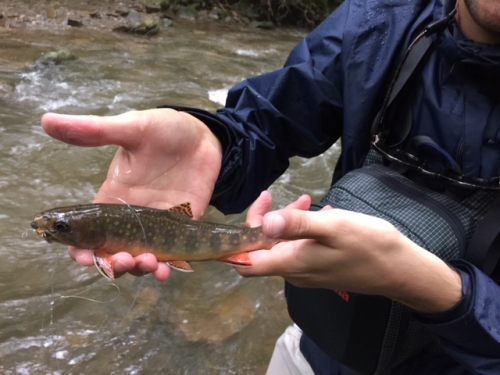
287	358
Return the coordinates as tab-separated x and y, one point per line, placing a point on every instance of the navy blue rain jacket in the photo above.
331	87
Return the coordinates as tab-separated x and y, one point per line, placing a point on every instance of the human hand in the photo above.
164	158
349	251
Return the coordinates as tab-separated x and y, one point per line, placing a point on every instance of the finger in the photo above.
146	263
81	256
302	203
163	272
122	263
83	130
259	208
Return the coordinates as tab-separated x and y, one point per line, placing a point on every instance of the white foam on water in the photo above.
218	96
255	53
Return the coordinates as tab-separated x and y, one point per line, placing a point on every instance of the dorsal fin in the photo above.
183	209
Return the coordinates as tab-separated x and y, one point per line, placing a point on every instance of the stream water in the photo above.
57	317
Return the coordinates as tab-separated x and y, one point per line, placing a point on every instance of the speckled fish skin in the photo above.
167	234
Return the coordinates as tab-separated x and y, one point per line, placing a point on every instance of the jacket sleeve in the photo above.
470	332
293	111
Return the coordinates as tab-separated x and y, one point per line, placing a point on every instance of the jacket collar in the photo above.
457	48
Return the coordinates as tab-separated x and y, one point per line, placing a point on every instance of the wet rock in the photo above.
139	24
218	13
164	4
188	12
5	89
74	21
12	15
122	12
55	57
152	8
221	319
51	12
144	305
167	22
265	25
134	18
95	14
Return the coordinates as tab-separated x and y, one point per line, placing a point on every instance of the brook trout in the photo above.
170	235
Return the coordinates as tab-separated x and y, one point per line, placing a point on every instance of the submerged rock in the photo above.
5	89
55	57
265	25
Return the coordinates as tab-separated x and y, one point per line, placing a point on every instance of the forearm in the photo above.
458	304
425	283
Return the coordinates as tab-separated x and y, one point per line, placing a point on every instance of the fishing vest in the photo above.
373	334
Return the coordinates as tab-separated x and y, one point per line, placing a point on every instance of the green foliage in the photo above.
306	13
280	12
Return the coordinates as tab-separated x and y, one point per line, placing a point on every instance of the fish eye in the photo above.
46	217
61	226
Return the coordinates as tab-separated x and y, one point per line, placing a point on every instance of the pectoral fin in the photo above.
240	259
180	265
104	264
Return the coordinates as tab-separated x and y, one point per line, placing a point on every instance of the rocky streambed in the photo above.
132	16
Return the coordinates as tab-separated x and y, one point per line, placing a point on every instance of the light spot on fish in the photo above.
215	241
235	240
192	242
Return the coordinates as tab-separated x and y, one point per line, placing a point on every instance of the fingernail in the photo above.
274	224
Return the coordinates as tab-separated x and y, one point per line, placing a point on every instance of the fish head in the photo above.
68	227
52	227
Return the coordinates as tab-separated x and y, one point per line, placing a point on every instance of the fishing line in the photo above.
86	360
134	212
54	298
77	295
52	291
137	217
135	297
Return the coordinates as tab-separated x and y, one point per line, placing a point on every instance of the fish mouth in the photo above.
45	235
41	232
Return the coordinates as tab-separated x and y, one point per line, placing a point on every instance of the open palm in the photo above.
164	158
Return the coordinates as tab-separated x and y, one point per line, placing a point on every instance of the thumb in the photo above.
291	224
92	131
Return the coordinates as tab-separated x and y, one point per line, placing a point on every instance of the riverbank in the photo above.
98	15
134	16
